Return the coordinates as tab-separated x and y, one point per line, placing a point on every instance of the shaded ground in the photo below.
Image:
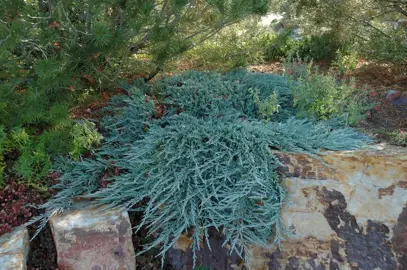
147	260
43	254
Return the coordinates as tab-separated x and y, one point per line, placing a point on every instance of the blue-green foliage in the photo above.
203	94
196	151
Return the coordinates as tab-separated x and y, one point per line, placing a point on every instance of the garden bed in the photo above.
43	256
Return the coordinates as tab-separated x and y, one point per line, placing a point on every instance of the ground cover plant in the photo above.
196	151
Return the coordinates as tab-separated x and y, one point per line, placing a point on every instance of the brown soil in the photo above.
43	254
91	109
385	118
147	260
14	201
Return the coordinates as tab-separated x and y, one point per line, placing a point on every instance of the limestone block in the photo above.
94	239
14	249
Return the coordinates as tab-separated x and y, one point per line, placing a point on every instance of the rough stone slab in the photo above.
349	215
14	249
380	165
378	173
94	239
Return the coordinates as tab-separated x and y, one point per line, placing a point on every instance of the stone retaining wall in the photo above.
348	211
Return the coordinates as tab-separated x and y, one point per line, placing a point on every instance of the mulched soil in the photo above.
43	254
381	78
14	200
147	260
91	110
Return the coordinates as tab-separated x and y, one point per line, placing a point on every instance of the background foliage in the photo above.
376	29
339	32
234	46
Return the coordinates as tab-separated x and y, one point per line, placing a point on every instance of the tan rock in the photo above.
365	204
308	225
348	211
372	181
14	249
302	193
305	254
93	239
378	165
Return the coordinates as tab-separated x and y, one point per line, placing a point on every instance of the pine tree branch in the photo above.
121	11
141	44
89	17
332	5
4	40
402	10
163	8
76	31
36	46
154	73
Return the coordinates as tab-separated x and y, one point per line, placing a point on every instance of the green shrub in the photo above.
277	46
316	47
399	137
385	48
53	52
267	107
326	96
33	165
235	46
346	61
85	138
375	29
30	155
32	162
319	47
197	151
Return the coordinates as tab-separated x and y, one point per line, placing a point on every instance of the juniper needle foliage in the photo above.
196	152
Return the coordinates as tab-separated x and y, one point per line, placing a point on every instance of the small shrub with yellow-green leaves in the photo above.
325	96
